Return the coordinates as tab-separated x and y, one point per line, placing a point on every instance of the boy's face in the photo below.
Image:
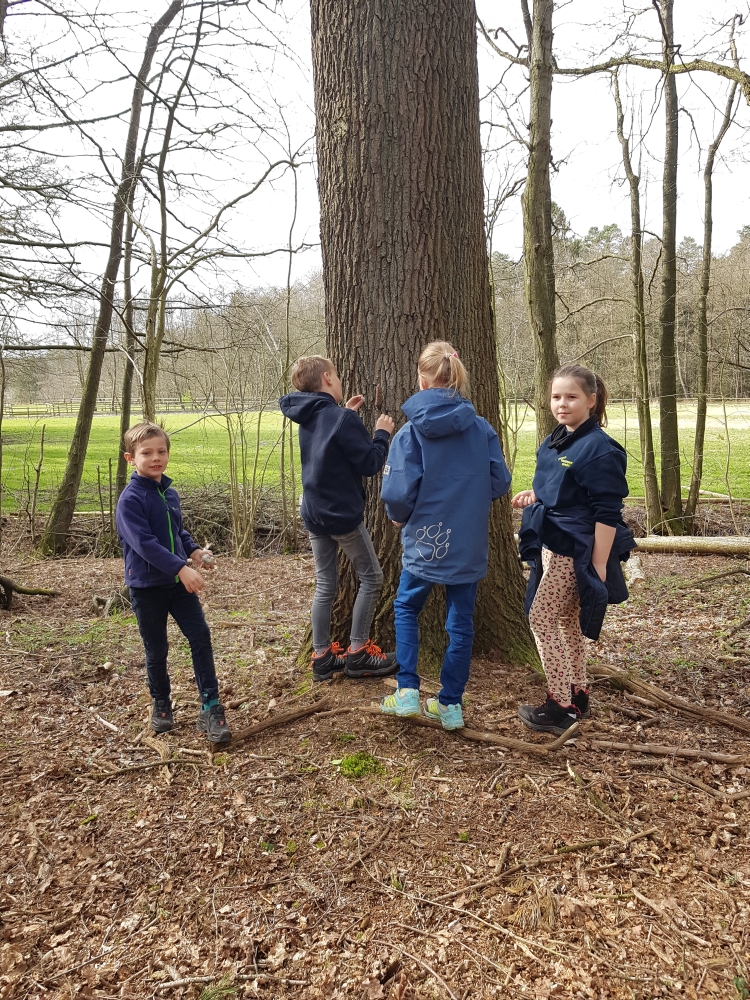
150	457
331	383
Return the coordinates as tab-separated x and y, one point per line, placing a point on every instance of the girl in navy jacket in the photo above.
573	537
445	468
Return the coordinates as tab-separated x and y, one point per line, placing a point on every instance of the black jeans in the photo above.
152	605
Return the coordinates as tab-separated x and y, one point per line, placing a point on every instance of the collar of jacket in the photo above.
561	437
151	484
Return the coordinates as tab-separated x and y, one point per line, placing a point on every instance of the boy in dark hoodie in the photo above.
156	549
337	452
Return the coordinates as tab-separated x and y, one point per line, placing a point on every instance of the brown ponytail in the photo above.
591	383
440	364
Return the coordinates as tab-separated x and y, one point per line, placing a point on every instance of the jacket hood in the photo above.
302	406
436	413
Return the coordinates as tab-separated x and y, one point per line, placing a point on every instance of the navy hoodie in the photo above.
155	545
444	470
337	452
579	482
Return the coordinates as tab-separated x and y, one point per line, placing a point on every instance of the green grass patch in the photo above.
200	452
358	765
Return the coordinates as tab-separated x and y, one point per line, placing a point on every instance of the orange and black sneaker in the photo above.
331	661
370	661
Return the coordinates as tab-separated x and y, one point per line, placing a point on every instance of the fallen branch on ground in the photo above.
9	587
660	751
719	576
626	681
279	720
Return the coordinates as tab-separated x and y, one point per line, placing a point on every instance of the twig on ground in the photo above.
428	968
719	576
369	851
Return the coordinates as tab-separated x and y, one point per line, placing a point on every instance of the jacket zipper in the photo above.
169	525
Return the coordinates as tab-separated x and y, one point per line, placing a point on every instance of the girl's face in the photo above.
570	403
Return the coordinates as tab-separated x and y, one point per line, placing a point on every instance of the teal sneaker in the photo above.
451	716
404	701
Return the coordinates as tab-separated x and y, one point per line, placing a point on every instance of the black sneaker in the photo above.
550	717
213	722
370	661
580	701
331	661
161	715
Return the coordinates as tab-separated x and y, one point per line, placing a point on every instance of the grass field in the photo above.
200	451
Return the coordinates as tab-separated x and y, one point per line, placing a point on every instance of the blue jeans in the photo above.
358	548
460	599
152	606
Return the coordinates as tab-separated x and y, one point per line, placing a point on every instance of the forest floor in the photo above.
353	855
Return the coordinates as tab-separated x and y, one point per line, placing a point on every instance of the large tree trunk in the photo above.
671	488
705	284
404	254
538	253
640	355
54	539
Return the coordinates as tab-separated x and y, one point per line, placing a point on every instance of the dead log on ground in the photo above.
720	545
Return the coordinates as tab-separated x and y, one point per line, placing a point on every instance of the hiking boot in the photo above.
404	702
580	700
370	661
451	716
161	715
213	722
551	717
331	661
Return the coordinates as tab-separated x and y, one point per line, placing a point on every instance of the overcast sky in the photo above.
588	175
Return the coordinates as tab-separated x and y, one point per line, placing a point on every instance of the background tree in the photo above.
403	242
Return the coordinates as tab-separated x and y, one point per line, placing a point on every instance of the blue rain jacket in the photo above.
155	545
336	451
579	481
445	468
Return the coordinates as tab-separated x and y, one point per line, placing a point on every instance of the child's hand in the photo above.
385	424
354	403
202	558
191	580
523	499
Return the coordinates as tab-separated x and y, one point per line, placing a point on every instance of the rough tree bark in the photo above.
54	539
536	201
671	489
643	397
404	254
705	284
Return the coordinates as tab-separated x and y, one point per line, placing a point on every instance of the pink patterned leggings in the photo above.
554	622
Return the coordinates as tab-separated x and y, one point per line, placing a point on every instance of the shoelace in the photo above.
374	650
337	649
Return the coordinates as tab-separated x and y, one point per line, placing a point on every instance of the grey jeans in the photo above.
358	548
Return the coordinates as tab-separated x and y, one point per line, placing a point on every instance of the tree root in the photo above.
9	587
662	699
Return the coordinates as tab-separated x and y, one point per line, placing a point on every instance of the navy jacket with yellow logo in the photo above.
579	482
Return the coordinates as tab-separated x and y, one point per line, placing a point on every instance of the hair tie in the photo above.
454	355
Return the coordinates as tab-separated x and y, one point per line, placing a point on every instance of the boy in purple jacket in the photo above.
156	549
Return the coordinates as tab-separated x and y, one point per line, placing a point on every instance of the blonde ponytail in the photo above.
441	366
